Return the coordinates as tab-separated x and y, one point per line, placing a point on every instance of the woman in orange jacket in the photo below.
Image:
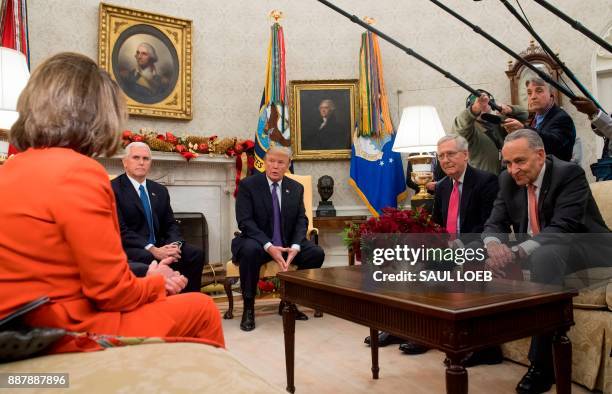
60	235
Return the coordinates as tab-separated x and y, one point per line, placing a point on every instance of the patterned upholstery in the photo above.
592	335
151	368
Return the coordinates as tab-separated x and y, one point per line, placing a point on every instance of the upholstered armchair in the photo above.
591	337
270	269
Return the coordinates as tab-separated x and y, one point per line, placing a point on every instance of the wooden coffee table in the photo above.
454	322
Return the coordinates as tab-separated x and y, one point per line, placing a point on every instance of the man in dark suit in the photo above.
549	204
477	188
148	228
330	133
553	124
273	224
462	203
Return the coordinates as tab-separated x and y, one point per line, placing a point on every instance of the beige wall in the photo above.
231	37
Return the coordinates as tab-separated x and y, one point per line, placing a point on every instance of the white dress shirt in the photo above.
280	202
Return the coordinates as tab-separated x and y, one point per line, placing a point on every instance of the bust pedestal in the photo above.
326	209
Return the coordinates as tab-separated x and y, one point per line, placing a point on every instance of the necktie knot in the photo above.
274	185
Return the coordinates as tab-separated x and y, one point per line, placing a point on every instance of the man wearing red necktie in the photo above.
549	205
462	203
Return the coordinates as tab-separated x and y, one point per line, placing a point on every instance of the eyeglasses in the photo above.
450	155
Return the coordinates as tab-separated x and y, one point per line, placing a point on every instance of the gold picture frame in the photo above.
149	55
313	136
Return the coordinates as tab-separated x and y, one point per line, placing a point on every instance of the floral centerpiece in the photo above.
392	221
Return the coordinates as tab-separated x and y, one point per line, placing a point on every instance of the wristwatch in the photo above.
516	252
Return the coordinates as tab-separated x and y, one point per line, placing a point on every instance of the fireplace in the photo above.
194	230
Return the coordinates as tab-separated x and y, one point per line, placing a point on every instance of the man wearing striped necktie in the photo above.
549	205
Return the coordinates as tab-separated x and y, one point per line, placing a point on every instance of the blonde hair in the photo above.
283	150
70	102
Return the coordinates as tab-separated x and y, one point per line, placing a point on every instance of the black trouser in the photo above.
252	256
190	265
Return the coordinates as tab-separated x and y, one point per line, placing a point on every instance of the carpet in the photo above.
332	358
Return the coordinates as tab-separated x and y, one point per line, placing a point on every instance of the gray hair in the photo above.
136	144
537	81
280	149
461	143
329	102
151	50
533	138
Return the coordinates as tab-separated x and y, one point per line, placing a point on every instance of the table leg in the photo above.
562	352
289	331
374	349
456	375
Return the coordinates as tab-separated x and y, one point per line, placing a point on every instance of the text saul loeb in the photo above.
433	276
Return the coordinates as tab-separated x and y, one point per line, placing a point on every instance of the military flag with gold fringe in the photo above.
273	124
377	173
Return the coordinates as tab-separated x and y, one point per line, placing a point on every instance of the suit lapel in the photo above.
286	194
266	193
544	190
520	203
445	192
466	192
131	193
154	201
549	115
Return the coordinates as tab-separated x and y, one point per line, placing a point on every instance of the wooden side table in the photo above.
339	223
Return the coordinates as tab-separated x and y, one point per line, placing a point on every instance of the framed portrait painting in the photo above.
149	55
323	118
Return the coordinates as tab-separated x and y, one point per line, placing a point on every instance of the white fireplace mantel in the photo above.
204	184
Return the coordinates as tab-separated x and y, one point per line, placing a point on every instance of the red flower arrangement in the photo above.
392	221
268	286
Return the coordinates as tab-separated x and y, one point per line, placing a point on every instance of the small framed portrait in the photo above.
323	117
149	55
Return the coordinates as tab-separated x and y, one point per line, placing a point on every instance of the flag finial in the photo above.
276	15
369	21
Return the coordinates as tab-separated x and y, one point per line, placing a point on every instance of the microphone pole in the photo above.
409	51
576	25
550	52
533	68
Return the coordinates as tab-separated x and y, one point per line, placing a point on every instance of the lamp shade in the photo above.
14	75
419	130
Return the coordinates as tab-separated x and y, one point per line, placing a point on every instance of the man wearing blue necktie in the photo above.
148	229
271	217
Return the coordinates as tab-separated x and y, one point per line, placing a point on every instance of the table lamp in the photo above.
417	135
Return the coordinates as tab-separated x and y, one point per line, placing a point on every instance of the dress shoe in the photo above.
535	381
488	356
298	315
384	339
248	320
413	348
